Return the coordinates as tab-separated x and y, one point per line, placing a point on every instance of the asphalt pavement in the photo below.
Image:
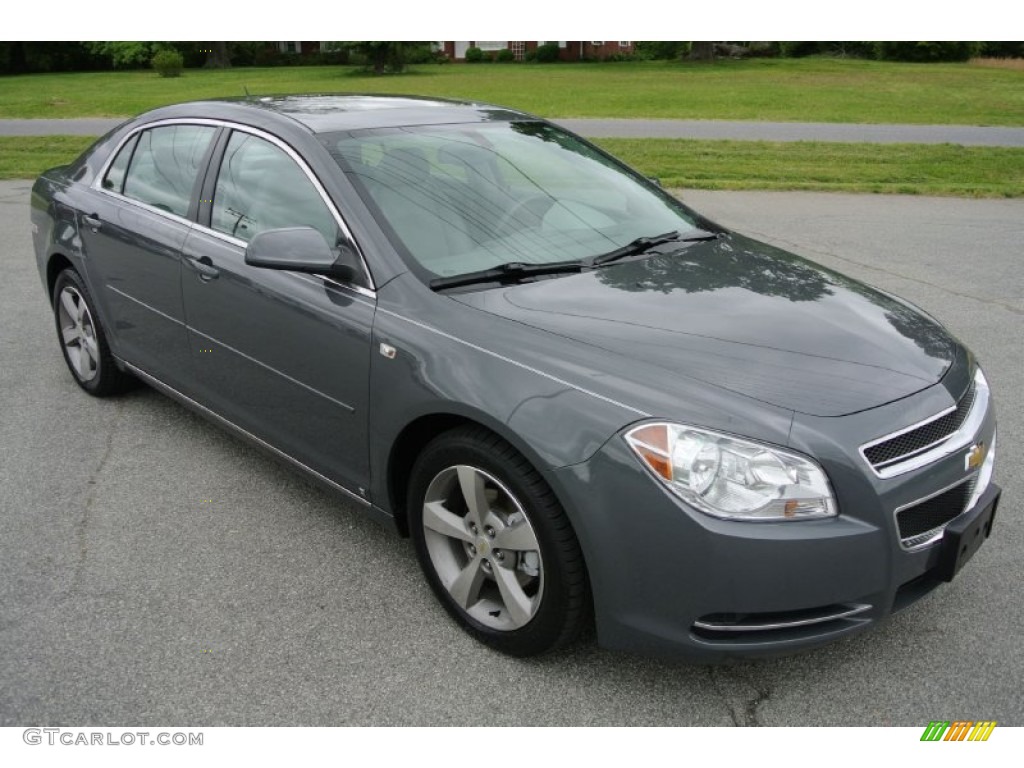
156	571
601	128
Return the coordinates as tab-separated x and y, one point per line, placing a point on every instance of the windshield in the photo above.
461	198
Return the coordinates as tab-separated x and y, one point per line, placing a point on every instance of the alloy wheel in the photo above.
483	547
78	334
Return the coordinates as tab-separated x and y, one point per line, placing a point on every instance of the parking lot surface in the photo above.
155	570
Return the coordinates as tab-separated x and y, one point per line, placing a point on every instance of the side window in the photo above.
165	165
260	187
114	180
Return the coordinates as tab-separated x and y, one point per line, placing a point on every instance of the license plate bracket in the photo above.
964	536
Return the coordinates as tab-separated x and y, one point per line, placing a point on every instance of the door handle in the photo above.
92	220
204	266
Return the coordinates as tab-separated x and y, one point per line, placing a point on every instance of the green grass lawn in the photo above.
916	169
25	157
812	89
942	169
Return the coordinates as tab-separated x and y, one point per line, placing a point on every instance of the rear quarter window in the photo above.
114	180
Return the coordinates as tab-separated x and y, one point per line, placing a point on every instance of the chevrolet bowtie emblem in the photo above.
975	456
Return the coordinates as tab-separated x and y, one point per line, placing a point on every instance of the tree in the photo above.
49	56
17	62
702	51
661	49
386	56
920	51
125	54
217	56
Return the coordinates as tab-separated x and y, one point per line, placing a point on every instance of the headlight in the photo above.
732	478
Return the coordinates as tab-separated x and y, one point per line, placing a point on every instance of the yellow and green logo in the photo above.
959	730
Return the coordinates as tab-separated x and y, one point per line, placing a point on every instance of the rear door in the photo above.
133	231
283	355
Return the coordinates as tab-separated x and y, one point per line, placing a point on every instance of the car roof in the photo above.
322	113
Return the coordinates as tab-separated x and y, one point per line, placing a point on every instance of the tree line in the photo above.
26	57
390	56
882	50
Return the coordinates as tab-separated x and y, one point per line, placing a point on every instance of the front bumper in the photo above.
670	580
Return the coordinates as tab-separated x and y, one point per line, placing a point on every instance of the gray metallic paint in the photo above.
742	316
309	399
144	304
559	368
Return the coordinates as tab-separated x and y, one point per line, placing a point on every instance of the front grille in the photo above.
926	436
920	522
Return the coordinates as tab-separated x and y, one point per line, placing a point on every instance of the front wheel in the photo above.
495	545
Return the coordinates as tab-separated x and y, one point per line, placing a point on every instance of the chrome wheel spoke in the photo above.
519	538
475	493
75	356
88	361
67	300
517	602
89	343
71	335
466	587
437	518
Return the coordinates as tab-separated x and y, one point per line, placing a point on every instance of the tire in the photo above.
83	340
507	566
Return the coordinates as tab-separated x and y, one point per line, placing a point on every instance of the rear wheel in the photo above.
82	338
495	545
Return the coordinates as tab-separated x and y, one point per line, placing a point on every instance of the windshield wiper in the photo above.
644	244
503	273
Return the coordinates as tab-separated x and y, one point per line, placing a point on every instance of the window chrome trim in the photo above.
929	537
955	441
172	392
237	241
339	220
97	183
173	217
336	285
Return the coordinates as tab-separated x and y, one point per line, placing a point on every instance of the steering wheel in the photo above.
536	205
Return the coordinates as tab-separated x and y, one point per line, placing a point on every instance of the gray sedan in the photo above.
580	398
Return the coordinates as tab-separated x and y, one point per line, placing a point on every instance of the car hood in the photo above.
742	316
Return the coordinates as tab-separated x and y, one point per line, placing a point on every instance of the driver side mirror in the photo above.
302	249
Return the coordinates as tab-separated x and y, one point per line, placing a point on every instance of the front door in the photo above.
283	355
